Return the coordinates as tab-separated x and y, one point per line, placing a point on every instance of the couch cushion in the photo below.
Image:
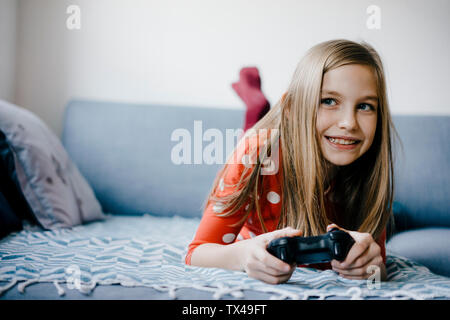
8	220
429	247
125	152
15	206
53	187
422	172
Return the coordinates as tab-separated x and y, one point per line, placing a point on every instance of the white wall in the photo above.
8	9
189	52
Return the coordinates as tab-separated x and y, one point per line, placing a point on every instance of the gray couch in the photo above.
124	151
113	142
422	208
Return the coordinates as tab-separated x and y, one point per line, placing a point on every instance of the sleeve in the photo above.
214	228
381	241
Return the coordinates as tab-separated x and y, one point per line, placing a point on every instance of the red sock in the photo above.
249	89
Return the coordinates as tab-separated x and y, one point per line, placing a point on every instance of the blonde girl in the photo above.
320	158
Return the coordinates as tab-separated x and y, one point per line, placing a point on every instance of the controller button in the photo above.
337	250
283	254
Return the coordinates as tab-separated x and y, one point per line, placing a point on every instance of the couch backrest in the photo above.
422	172
124	151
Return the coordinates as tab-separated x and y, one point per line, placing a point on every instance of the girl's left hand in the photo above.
364	253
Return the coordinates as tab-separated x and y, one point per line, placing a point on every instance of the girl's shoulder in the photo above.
249	148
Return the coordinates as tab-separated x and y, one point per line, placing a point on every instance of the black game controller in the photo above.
335	244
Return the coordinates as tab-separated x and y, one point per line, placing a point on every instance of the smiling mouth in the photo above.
342	141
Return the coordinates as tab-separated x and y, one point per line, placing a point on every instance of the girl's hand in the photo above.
259	264
364	253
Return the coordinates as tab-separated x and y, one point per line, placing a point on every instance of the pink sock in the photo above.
249	89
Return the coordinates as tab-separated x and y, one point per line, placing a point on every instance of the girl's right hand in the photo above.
259	264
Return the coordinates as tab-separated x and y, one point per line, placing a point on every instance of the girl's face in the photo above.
347	115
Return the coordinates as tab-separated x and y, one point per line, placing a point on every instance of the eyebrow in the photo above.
334	93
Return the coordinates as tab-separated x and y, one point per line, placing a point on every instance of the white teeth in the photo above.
342	141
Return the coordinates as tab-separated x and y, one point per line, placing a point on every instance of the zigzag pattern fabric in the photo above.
149	251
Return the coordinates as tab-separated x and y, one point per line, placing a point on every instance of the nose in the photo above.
347	119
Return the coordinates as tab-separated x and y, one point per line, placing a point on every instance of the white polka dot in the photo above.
228	238
221	184
240	237
218	208
247	206
250	220
251	234
273	197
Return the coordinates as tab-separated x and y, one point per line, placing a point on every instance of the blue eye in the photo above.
328	101
365	106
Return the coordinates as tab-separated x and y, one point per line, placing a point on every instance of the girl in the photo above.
331	135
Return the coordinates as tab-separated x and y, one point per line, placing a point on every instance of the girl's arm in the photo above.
250	256
214	246
214	243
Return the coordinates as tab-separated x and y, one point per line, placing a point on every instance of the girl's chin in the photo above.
341	161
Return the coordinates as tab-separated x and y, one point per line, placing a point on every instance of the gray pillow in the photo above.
57	193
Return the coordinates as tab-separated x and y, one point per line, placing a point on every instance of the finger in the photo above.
360	247
271	261
359	262
362	271
292	268
352	277
372	252
256	274
286	232
259	275
275	272
333	225
284	278
285	271
357	272
261	267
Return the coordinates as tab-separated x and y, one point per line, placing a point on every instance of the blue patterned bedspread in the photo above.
149	251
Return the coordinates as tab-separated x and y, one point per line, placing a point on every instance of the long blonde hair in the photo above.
364	189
